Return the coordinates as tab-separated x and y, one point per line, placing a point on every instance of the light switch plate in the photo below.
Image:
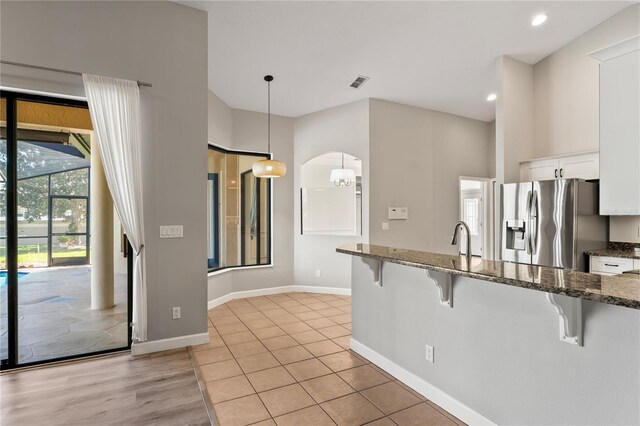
385	226
398	213
171	231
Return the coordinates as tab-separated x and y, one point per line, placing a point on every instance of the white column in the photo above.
102	277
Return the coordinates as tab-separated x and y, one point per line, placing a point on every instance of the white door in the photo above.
473	215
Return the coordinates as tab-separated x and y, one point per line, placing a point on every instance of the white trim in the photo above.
432	393
167	344
277	290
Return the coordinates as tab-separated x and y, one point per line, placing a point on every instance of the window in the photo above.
238	211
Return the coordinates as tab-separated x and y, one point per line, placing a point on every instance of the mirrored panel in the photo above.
331	195
238	211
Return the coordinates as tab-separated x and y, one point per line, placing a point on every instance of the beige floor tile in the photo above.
298	309
257	362
327	387
246	349
258	324
265	333
237	338
324	347
270	379
334	331
285	319
339	302
363	377
321	322
352	410
308	369
268	422
295	327
292	354
308	337
385	421
390	397
214	342
231	328
212	331
341	361
344	341
229	388
285	400
244	309
226	320
220	370
347	326
312	416
318	306
280	342
330	312
210	356
241	411
252	316
419	415
341	319
309	315
308	300
274	313
289	303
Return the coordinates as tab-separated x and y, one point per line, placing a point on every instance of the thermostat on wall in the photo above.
398	213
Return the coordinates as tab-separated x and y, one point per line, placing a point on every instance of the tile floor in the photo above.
55	317
285	360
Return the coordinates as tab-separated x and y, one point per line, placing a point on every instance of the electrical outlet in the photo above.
429	353
385	226
318	273
176	312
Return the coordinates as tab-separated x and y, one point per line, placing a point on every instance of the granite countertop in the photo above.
620	290
610	252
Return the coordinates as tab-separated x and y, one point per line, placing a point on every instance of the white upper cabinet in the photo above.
581	166
620	128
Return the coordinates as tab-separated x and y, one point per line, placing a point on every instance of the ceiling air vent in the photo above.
359	81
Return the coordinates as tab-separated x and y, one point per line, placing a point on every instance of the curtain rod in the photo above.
37	67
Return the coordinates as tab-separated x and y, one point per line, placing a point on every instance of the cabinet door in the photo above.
584	166
539	170
620	135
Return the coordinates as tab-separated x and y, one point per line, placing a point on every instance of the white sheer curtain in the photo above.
114	105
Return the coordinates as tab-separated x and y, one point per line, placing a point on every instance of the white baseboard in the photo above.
276	290
432	393
167	344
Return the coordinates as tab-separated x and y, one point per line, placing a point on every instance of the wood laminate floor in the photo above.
159	389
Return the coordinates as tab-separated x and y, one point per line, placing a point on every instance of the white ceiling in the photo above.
437	55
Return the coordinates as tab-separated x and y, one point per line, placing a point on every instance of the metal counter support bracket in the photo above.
443	281
570	317
376	268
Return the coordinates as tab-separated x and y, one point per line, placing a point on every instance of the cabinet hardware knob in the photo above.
560	172
555	173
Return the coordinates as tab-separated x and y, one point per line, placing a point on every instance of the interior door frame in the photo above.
214	262
488	212
11	362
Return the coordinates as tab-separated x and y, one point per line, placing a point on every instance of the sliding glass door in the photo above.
53	301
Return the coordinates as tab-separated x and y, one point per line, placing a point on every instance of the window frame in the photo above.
269	196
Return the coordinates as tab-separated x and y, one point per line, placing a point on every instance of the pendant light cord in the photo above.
269	117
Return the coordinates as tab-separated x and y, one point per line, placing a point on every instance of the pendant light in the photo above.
342	176
269	168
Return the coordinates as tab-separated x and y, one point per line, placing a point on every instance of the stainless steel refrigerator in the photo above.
551	223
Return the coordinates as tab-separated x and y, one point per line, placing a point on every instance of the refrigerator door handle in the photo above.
533	222
527	230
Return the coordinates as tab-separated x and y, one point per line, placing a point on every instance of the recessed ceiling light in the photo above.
538	20
492	97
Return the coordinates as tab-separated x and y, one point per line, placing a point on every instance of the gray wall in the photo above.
497	350
566	100
345	129
416	157
162	43
246	130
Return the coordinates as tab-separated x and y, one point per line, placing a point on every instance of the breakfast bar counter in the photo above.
620	290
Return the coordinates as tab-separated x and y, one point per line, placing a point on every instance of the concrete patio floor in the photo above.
55	316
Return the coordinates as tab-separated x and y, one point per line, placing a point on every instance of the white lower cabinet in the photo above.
602	265
581	166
